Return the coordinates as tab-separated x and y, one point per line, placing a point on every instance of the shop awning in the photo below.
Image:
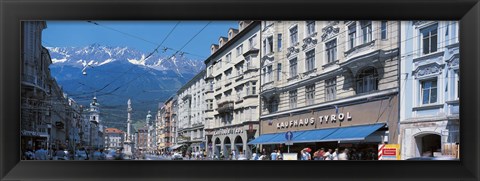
313	135
263	139
175	147
351	133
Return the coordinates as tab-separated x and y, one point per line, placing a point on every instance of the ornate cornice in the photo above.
330	30
427	70
292	50
310	41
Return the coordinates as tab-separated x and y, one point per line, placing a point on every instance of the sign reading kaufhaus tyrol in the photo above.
379	111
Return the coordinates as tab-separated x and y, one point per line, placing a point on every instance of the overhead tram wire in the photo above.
148	41
133	66
163	41
147	70
156	50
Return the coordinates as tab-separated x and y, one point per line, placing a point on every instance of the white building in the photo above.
114	138
191	113
232	78
429	88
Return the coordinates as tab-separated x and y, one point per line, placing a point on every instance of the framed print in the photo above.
227	90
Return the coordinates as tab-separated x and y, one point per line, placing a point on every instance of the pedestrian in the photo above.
254	156
233	155
81	154
41	153
328	155
279	155
321	153
273	155
97	155
307	153
343	155
222	156
335	154
119	155
29	155
303	155
60	154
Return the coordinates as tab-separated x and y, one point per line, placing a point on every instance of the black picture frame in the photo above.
13	11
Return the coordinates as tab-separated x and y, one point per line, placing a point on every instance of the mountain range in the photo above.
116	74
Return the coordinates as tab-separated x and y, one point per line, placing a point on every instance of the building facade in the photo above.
34	91
430	82
191	113
232	88
168	131
160	127
141	141
114	138
320	79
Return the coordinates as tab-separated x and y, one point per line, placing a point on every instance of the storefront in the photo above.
225	140
358	126
33	139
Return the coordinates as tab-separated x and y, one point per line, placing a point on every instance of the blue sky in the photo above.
141	35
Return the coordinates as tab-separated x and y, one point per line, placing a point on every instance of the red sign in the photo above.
389	152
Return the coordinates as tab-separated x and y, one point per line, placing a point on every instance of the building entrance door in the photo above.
428	144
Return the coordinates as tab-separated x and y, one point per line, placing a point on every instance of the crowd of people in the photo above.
320	154
41	153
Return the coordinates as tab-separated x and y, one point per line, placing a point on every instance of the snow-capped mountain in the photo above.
116	74
98	55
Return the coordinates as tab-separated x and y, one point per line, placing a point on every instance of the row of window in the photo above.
365	28
246	114
330	94
366	82
250	88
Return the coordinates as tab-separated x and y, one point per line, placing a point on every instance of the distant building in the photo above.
160	129
142	138
114	138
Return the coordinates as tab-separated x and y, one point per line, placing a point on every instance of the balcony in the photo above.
209	88
250	68
359	48
310	73
225	106
239	98
267	86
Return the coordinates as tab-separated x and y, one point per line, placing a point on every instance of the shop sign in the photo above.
311	121
389	152
228	131
29	133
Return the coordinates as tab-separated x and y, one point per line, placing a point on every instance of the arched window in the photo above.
367	80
